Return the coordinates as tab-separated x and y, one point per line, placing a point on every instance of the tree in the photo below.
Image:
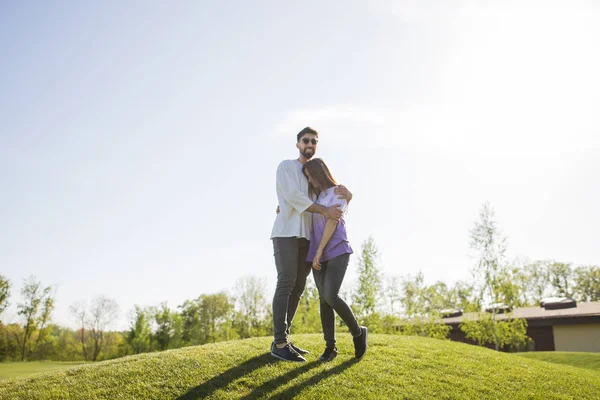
489	248
418	299
168	327
102	313
461	296
139	336
510	333
251	307
561	279
587	283
215	314
114	343
422	305
412	300
490	272
534	281
10	346
207	319
93	321
35	309
192	332
79	312
537	281
393	293
44	329
512	287
66	344
4	294
436	297
368	291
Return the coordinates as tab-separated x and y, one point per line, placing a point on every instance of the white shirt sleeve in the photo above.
342	202
332	199
287	182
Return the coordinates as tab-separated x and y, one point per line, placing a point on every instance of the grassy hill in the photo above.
394	367
581	360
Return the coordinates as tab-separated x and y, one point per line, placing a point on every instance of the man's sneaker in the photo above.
286	353
329	354
360	344
298	349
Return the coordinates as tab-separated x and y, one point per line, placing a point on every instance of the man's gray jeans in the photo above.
292	270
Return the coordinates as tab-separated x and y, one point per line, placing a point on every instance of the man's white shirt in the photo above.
292	195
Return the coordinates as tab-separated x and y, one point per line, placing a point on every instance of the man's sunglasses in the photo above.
307	140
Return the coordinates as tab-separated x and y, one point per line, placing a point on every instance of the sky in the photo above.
139	140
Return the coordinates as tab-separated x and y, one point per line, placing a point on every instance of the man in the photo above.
290	236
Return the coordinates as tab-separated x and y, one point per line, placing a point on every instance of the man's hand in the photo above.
277	211
316	264
334	212
343	192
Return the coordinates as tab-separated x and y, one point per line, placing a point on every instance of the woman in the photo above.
329	252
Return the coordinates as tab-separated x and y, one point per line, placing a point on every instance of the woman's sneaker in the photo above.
329	354
286	353
360	343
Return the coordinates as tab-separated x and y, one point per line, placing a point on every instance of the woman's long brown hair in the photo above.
319	172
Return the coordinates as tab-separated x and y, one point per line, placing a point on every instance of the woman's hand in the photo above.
316	264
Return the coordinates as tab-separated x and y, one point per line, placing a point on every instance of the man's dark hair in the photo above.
304	131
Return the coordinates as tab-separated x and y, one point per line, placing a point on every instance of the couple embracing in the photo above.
310	233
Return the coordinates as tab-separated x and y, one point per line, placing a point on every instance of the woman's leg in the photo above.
326	312
332	281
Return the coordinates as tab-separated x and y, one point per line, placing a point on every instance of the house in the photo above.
551	327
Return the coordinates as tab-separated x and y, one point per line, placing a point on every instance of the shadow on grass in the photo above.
224	379
291	392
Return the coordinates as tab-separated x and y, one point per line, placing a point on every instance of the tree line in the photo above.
387	304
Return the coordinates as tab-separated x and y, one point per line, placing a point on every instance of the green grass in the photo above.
396	367
581	360
15	369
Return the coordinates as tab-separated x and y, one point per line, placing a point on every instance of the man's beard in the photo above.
308	153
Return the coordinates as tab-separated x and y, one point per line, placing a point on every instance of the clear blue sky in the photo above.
139	139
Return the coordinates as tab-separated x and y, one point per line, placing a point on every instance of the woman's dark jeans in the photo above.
329	280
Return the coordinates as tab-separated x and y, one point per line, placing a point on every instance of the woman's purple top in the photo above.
338	244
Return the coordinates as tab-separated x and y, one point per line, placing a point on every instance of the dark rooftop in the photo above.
538	313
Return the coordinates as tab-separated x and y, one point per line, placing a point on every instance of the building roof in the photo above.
539	313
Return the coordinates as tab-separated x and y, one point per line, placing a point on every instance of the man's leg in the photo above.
286	261
286	256
303	270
